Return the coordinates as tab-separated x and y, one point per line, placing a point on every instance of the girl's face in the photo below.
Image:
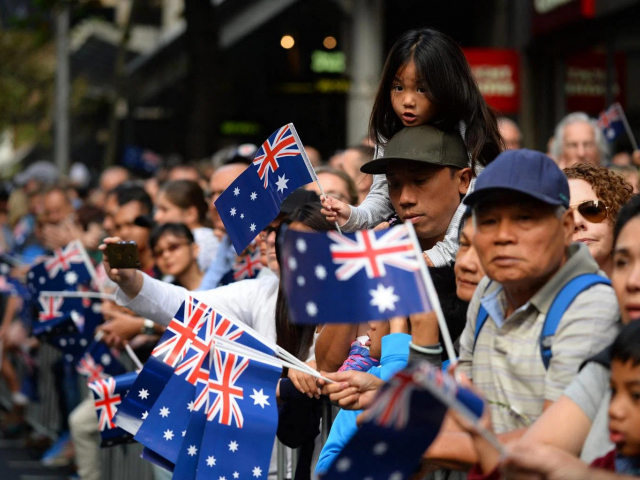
467	268
174	255
625	276
597	236
167	212
377	330
624	407
409	98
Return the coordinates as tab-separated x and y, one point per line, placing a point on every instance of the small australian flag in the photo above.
611	123
253	200
108	394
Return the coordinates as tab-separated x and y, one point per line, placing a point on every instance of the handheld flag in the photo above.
98	362
367	275
253	200
404	420
108	394
610	121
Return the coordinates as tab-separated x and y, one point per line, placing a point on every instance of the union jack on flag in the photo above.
63	258
51	307
228	368
88	367
611	122
182	332
279	145
247	266
368	275
372	253
391	407
106	400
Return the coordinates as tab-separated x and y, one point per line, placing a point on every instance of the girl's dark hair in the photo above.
627	212
626	346
446	76
179	230
468	213
453	309
297	338
186	194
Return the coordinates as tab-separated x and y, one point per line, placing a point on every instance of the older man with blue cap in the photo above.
544	307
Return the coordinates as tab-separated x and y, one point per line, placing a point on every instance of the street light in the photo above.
287	42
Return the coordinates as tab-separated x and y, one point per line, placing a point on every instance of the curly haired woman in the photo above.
597	194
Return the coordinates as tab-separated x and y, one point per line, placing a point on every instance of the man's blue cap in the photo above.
524	171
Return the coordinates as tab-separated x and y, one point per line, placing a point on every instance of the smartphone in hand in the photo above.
123	255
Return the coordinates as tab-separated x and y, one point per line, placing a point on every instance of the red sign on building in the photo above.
498	75
586	81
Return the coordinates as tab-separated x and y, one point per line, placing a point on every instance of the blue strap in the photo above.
480	320
560	304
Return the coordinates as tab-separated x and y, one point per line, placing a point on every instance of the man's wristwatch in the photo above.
148	327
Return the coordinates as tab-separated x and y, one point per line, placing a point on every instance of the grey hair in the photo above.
579	117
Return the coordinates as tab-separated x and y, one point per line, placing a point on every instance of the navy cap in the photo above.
524	171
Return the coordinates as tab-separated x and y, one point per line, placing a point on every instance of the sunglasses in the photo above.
593	211
170	248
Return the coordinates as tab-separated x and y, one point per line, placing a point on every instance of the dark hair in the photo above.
88	214
453	309
626	346
186	194
297	338
130	192
627	212
179	230
468	213
446	76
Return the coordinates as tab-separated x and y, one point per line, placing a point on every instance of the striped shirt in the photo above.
506	363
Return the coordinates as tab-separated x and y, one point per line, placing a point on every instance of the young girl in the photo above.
426	80
182	201
176	254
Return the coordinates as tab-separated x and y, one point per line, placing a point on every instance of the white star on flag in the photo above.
190	406
30	275
257	472
83	342
97	308
282	183
301	281
232	212
396	476
242	215
252	227
312	309
321	272
164	412
184	432
168	435
343	464
236	475
143	394
380	448
211	461
293	263
145	415
236	191
41	280
63	342
192	450
259	398
301	245
384	298
233	446
71	278
254	195
105	359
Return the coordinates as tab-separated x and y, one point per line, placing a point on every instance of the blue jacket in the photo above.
395	353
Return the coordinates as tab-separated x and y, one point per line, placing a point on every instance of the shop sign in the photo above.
497	73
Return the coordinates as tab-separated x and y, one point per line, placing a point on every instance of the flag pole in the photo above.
103	296
310	168
90	267
432	295
132	355
627	127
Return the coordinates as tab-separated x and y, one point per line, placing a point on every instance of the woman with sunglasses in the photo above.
597	194
176	254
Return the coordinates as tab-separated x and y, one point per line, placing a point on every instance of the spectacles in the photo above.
170	248
593	211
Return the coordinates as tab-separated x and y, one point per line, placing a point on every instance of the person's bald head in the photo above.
112	177
220	180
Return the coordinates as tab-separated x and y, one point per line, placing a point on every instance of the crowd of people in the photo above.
534	257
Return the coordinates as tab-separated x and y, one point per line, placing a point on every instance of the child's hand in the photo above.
335	210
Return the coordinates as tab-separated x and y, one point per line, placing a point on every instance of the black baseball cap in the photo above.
524	171
424	144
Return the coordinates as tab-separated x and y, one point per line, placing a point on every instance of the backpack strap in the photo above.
559	306
480	321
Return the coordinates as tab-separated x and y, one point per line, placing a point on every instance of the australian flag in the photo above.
68	268
367	275
165	357
242	419
253	200
404	420
98	362
173	406
611	123
108	394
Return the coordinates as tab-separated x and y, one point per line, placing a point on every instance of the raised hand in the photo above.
334	210
128	279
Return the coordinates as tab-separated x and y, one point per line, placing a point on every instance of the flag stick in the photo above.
132	355
307	162
1	351
462	409
103	296
627	127
90	267
432	295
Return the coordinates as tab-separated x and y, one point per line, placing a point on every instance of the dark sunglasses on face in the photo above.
593	211
157	253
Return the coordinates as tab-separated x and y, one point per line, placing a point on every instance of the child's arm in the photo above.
374	209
